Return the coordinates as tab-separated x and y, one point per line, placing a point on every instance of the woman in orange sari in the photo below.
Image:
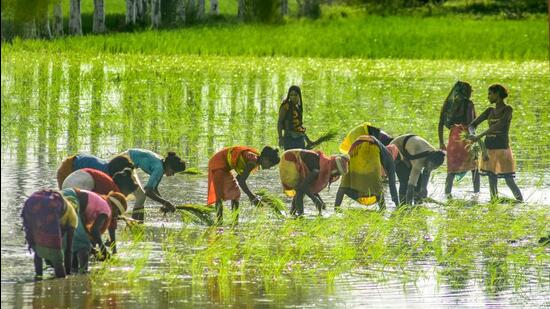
223	185
457	112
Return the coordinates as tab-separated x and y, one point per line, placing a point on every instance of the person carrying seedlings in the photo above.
499	160
417	159
96	214
96	181
155	166
364	129
290	129
457	112
223	186
307	172
80	161
363	182
47	218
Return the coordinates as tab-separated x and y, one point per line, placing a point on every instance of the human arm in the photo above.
68	255
479	119
389	167
151	189
413	179
500	124
96	235
112	239
241	179
280	123
440	129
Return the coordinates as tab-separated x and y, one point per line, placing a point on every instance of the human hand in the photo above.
442	146
255	200
473	138
167	207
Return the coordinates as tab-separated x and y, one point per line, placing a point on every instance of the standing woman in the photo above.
223	186
499	162
290	121
96	214
96	181
307	172
457	112
47	218
155	166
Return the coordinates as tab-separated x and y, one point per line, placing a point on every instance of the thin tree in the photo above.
284	7
215	8
131	12
75	21
57	19
155	13
241	8
99	17
201	9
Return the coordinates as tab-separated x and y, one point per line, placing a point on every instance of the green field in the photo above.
354	37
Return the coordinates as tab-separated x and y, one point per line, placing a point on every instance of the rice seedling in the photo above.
196	213
271	201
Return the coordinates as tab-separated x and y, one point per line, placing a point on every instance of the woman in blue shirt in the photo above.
155	166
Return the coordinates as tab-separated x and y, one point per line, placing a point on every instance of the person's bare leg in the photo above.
219	212
515	189
38	267
235	209
449	184
83	259
493	186
476	180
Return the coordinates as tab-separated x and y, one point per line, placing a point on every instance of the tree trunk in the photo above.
44	23
57	19
29	29
99	17
155	13
240	12
284	7
75	21
201	10
131	12
141	10
180	12
214	7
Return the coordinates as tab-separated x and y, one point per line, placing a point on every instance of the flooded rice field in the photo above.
464	251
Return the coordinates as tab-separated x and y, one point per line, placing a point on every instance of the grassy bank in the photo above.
353	37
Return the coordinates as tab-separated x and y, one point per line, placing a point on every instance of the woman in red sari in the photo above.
457	112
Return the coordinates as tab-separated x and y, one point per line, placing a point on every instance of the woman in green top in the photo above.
290	121
499	161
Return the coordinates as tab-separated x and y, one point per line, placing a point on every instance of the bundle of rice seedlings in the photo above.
474	148
192	171
324	138
196	213
267	199
130	222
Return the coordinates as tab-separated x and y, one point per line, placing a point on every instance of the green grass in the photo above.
495	245
354	37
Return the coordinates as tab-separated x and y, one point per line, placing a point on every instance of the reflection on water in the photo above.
51	108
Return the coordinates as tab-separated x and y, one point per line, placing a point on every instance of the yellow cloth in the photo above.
352	135
364	172
70	217
289	173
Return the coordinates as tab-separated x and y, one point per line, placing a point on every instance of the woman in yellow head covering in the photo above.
363	182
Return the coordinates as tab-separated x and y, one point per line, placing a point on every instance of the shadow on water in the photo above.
465	252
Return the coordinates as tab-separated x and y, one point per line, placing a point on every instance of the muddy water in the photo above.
53	108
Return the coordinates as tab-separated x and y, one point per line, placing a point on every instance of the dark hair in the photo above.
271	154
297	90
499	89
125	181
436	157
174	162
118	164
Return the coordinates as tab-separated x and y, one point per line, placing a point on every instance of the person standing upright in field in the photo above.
457	112
290	128
499	161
